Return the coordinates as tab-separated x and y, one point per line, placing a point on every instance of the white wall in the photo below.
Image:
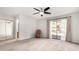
2	28
42	25
74	25
27	27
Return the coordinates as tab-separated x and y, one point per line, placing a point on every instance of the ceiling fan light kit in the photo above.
42	11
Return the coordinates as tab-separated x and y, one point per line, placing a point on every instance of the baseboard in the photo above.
74	42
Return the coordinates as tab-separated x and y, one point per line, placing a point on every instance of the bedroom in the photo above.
19	24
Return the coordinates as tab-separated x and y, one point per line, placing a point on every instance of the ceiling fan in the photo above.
42	11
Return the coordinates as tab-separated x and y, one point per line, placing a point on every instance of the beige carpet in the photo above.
37	45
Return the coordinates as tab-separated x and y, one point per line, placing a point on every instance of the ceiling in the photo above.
28	11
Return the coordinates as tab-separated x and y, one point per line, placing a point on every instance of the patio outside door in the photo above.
57	29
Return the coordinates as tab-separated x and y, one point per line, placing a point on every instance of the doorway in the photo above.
6	29
58	28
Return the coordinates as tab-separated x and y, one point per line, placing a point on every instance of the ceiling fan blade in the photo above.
36	13
41	9
47	12
46	8
36	9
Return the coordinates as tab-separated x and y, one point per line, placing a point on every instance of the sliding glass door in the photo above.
53	30
57	29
